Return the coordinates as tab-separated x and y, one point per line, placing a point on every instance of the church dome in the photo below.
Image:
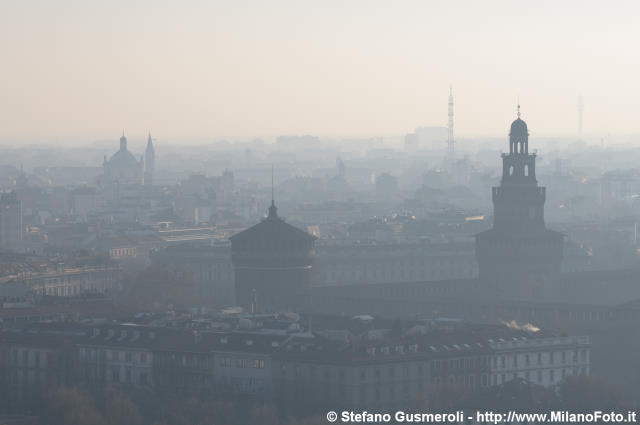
123	159
123	167
519	128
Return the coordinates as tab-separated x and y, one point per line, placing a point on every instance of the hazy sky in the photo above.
189	70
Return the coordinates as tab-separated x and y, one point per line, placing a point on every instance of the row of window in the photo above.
400	274
466	363
128	377
29	358
242	363
70	290
311	371
468	381
529	359
550	375
122	252
122	356
200	361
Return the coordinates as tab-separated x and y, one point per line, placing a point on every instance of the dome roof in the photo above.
519	128
123	159
273	228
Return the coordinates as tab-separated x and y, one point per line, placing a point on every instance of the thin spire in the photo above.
450	139
519	107
273	211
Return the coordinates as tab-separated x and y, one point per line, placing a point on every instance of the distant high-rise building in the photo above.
272	264
149	162
425	138
10	220
519	256
122	167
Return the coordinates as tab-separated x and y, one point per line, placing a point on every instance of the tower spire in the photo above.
149	162
273	211
123	142
450	140
518	107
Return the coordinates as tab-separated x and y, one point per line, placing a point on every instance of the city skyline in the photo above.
295	212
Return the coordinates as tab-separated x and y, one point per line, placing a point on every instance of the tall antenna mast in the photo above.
450	140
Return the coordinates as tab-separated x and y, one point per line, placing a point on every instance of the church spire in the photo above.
273	210
123	142
149	143
150	161
450	139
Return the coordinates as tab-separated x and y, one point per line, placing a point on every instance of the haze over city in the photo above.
76	71
301	213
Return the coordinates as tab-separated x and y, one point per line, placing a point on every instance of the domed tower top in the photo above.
123	142
519	136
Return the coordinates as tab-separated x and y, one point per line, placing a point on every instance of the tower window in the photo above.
511	170
526	170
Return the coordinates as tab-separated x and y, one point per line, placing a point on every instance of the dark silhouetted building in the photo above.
122	167
272	262
149	162
519	257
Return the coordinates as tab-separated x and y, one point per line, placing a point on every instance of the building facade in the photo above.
300	372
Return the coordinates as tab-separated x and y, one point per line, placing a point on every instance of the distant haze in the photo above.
73	71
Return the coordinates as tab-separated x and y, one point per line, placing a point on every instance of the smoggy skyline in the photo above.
81	71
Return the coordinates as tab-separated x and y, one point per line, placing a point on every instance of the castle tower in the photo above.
519	257
272	262
150	162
